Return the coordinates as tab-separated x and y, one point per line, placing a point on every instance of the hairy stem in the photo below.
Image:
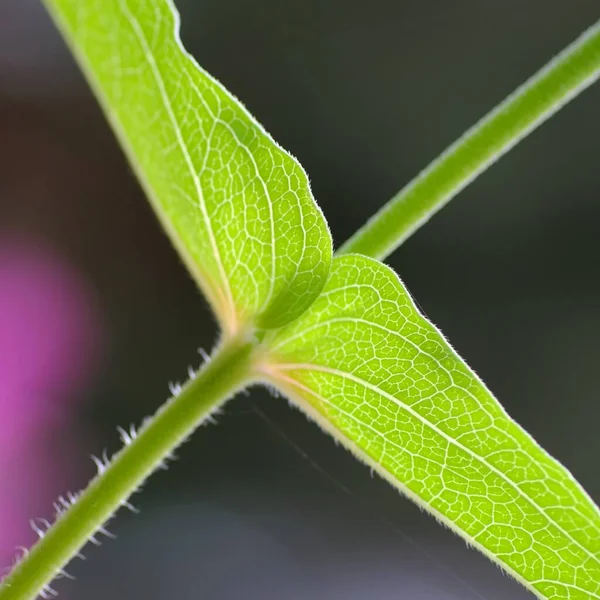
220	378
563	78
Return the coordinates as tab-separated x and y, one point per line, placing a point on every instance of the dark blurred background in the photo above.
97	314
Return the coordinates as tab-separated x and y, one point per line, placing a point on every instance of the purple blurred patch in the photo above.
49	341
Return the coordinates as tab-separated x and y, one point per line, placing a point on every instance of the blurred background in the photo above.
97	315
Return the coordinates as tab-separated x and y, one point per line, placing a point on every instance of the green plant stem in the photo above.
563	78
219	379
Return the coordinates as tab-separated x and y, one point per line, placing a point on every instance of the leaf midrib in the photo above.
141	38
433	427
401	486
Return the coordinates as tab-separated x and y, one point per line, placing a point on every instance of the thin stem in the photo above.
220	378
563	78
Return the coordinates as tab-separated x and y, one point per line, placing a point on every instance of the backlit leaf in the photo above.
236	205
367	366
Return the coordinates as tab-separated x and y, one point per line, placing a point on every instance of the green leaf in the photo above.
369	368
236	205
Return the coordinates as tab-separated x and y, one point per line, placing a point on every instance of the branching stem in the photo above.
563	78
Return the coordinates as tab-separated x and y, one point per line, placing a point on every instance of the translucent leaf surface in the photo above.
237	206
371	369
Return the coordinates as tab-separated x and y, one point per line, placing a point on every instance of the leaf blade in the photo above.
366	364
235	204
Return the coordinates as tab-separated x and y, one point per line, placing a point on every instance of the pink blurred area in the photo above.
49	347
